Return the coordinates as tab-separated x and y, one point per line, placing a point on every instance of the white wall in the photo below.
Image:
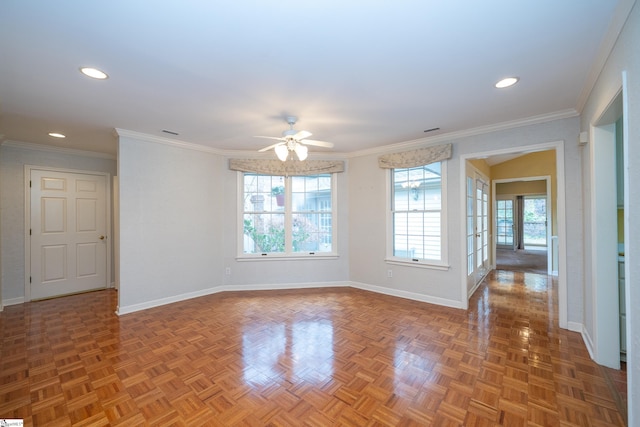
179	224
170	216
623	60
13	158
368	239
367	219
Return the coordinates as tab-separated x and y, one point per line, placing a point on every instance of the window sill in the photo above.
418	264
280	257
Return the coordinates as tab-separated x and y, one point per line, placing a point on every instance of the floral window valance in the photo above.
414	158
288	168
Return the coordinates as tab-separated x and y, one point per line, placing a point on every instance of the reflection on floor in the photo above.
319	357
526	260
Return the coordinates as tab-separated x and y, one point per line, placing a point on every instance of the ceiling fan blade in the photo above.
317	143
277	138
302	134
270	147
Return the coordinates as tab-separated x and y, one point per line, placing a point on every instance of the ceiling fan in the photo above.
293	141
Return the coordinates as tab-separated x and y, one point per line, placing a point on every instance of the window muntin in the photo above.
288	215
416	206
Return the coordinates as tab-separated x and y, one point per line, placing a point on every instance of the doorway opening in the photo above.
503	233
523	218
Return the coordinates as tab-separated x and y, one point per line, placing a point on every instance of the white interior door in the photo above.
68	241
477	212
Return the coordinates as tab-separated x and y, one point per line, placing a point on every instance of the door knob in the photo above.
102	237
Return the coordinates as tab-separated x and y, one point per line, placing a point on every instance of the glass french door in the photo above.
477	212
535	221
505	225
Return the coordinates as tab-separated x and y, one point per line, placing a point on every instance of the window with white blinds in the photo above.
417	214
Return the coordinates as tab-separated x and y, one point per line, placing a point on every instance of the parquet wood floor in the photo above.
307	357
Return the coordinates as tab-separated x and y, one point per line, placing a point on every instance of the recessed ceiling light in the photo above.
509	81
94	73
56	135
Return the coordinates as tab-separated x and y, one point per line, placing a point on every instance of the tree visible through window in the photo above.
287	215
417	212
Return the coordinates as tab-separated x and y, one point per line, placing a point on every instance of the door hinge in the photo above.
29	183
29	279
29	232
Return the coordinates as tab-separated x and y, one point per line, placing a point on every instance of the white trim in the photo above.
416	143
428	264
477	175
288	286
449	137
288	212
475	287
54	149
575	326
406	295
167	141
27	220
588	342
549	208
558	146
224	288
12	301
443	262
274	256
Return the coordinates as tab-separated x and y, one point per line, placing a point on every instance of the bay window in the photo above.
288	215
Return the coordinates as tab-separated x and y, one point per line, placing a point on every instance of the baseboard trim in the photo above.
575	326
223	288
407	295
588	342
12	301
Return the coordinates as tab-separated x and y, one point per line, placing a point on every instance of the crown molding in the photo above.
166	141
448	137
225	153
56	149
620	16
407	145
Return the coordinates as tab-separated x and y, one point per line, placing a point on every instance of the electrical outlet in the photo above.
227	271
389	273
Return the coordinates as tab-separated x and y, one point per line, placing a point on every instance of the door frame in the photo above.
549	226
494	219
476	175
27	220
558	147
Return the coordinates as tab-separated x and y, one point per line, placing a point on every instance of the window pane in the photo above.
263	233
270	225
311	232
416	205
312	213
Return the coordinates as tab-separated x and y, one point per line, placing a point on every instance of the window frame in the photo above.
288	254
443	262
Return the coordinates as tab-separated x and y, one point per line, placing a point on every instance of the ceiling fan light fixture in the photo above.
301	151
282	152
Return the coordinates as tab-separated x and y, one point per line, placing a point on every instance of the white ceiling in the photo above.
362	74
